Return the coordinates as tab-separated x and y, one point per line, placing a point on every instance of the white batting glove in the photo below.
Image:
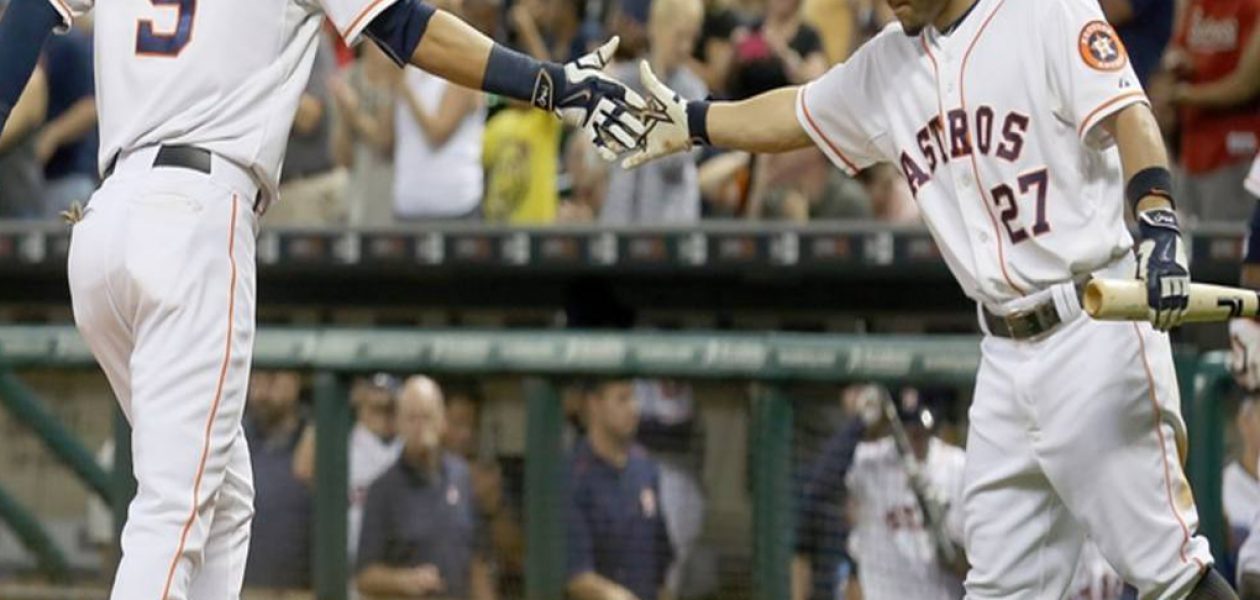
665	121
602	107
1244	355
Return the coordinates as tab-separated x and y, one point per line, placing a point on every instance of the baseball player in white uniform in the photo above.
1245	363
1021	130
196	100
890	540
895	557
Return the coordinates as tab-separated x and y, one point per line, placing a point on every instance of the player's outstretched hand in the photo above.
665	120
1244	353
604	108
1163	266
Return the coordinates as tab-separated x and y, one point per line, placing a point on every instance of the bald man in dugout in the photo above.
421	536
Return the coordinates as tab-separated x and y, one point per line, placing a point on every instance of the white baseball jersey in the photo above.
225	75
895	556
995	161
1240	494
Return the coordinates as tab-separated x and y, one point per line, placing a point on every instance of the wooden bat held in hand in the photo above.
1125	300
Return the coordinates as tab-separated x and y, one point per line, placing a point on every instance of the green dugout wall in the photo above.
771	361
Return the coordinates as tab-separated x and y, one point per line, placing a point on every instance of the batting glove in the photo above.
1163	266
604	108
1244	355
665	119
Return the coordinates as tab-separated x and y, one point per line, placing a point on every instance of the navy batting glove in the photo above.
1163	266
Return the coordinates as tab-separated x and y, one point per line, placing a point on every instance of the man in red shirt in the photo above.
1217	50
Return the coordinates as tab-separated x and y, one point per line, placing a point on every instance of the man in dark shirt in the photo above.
67	144
618	545
420	533
279	563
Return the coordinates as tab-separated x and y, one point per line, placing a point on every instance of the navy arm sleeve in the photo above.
825	484
398	29
24	28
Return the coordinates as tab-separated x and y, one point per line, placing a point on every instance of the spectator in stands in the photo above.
555	30
279	562
669	428
836	24
618	543
666	191
363	140
421	536
714	53
373	447
67	145
312	186
1217	53
438	136
780	50
891	201
1145	27
21	178
521	159
1240	487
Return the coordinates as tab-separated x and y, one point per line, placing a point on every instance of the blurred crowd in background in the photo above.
372	145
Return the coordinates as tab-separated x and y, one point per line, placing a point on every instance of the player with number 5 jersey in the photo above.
196	99
1021	130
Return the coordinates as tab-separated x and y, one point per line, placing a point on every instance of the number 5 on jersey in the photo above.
150	42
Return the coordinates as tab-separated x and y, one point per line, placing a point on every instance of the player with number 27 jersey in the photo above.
1021	130
993	162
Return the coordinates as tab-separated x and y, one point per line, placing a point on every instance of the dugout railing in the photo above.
768	361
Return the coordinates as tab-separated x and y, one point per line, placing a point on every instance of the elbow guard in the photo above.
398	29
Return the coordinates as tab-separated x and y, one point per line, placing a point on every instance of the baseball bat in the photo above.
1125	300
933	512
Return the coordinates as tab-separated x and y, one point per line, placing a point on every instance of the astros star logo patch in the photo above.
1101	48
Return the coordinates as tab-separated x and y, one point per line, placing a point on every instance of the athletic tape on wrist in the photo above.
1152	181
698	121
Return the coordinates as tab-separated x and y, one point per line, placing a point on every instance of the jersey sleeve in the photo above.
1091	77
69	10
834	111
351	17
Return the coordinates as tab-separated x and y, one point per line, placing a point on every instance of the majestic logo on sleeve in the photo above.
1101	48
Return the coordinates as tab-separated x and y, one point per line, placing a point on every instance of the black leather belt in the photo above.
1029	323
181	157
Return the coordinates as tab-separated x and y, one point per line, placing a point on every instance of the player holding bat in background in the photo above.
1021	130
1245	363
904	501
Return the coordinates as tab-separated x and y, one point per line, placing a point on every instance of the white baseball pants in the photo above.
162	280
1077	433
